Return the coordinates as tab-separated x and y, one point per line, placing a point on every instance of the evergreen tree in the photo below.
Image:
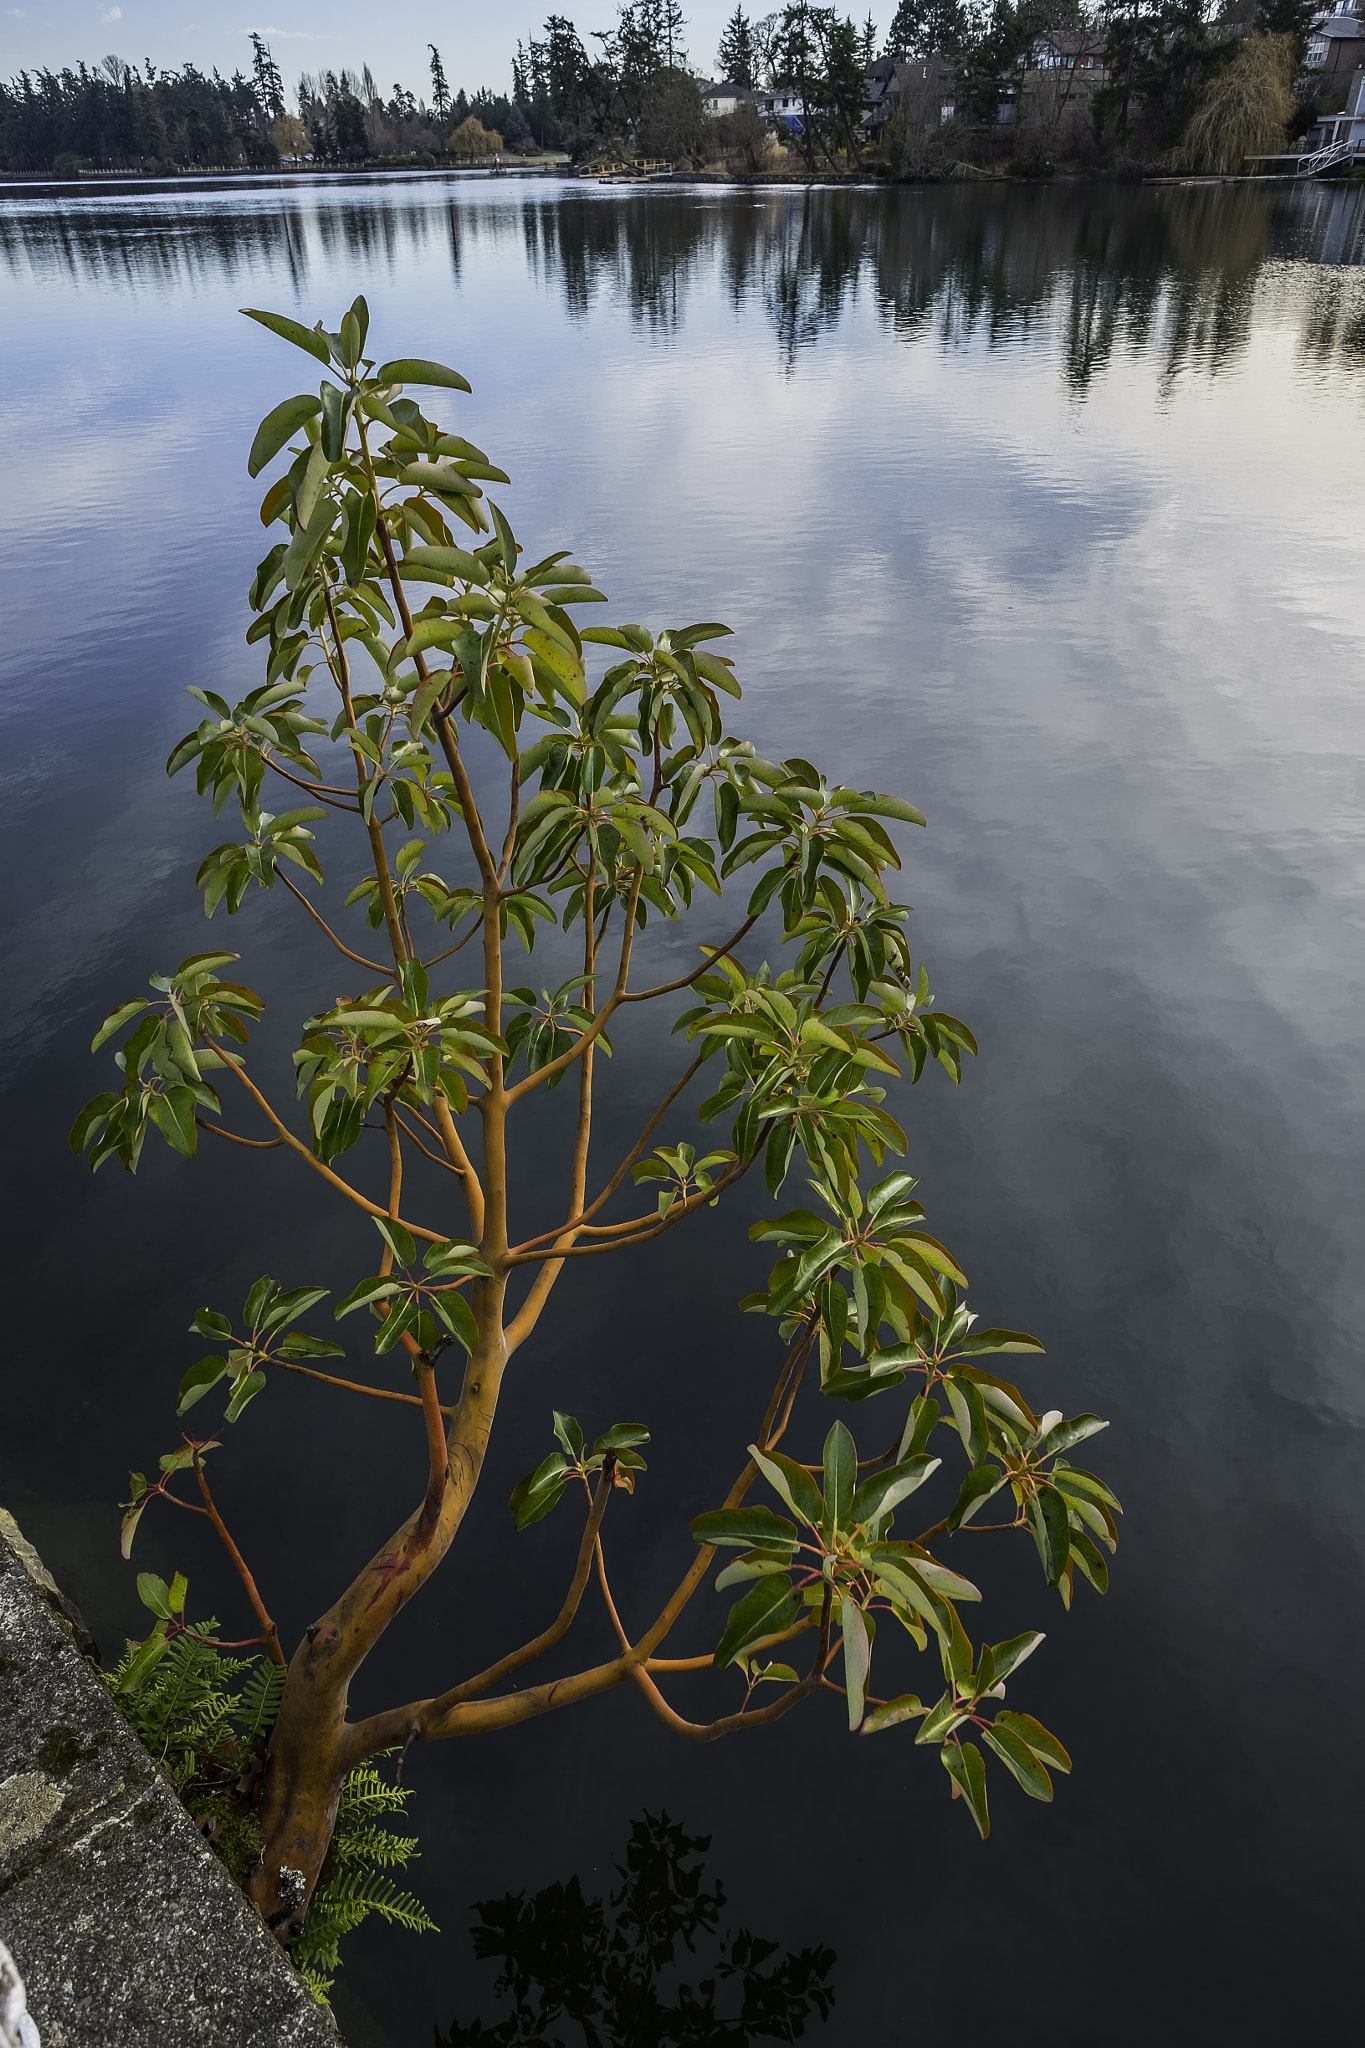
737	57
269	84
920	27
440	91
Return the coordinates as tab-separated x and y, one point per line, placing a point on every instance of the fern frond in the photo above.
377	1846
367	1890
260	1700
203	1733
316	1982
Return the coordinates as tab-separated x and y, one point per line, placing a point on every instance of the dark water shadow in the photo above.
651	1966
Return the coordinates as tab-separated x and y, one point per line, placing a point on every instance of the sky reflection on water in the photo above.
1041	507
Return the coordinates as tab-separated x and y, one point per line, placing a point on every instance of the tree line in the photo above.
1130	77
112	115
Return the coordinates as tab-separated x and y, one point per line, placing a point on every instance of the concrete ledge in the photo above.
122	1923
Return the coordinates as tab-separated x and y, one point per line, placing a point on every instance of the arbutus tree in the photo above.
624	799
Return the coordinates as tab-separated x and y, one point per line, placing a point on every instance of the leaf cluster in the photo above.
614	1453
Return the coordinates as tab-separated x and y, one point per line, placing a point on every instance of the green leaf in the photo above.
996	1340
454	1311
154	1594
906	1708
173	1115
744	1528
569	1433
398	1240
416	370
622	1436
754	1564
977	1487
306	338
841	1478
1008	1656
117	1017
948	1585
444	561
964	1766
276	428
941	1720
145	1662
1063	1435
208	1323
1019	1759
298	1344
1056	1545
198	1380
780	1674
377	1288
1036	1736
792	1481
857	1658
766	1609
244	1391
885	1490
91	1118
534	1507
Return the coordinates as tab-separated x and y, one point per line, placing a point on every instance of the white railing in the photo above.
1324	159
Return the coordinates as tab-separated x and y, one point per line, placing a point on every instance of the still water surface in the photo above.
1042	508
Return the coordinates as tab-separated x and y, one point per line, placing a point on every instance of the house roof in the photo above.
729	89
1338	28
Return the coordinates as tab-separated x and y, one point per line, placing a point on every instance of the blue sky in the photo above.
476	38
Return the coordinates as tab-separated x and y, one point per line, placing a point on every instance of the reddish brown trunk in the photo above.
312	1747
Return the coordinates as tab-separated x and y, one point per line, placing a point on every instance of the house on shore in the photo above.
1348	125
717	100
1336	48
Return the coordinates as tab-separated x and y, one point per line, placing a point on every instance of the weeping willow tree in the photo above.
1245	109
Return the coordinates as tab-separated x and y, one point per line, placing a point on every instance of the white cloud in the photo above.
111	14
286	35
19	13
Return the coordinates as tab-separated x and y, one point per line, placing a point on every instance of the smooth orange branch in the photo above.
323	791
382	1729
731	1724
657	1227
436	1158
579	1222
256	1144
269	1633
455	1714
513	815
606	1595
457	948
461	1161
441	720
359	958
713	953
341	675
547	1639
599	1023
319	1166
352	1386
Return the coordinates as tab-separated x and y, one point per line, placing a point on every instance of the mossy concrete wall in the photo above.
123	1924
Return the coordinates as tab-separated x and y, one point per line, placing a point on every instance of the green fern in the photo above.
352	1885
260	1701
205	1736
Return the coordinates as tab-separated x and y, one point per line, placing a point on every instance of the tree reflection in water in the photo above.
1100	269
628	1972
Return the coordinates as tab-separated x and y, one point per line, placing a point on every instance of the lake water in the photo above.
1041	507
